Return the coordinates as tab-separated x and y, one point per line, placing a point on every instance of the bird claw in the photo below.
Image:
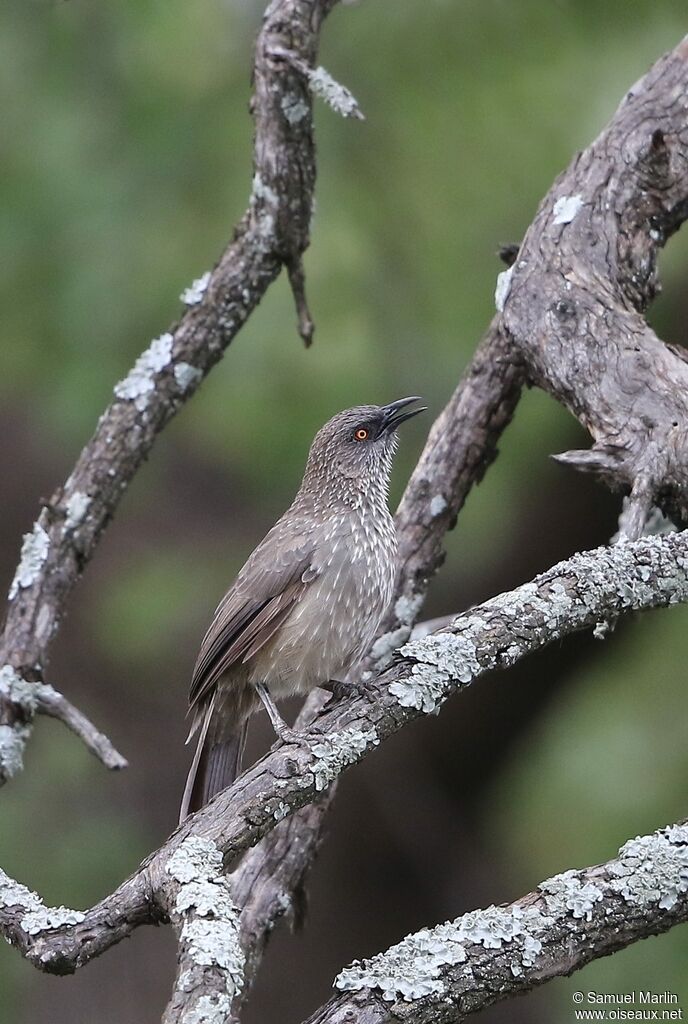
341	689
288	735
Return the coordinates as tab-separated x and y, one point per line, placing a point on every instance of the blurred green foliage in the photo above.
126	160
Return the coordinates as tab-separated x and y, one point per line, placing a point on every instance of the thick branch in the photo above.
274	231
442	975
198	898
586	271
576	594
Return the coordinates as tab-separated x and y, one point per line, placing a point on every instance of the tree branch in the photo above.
273	232
442	975
54	704
25	701
573	595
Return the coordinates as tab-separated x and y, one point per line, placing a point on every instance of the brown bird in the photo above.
306	605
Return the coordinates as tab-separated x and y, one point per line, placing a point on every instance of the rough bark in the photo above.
574	300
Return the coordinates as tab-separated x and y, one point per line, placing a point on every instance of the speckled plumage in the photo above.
306	605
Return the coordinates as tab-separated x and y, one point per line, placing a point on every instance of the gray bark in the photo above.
573	302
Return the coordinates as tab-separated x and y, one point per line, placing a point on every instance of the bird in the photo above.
305	607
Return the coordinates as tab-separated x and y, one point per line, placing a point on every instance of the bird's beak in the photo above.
393	415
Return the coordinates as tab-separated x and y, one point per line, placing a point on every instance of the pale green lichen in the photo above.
192	295
384	647
335	751
502	289
186	375
414	968
48	918
280	811
294	108
37	917
76	507
263	191
205	896
568	891
441	659
211	942
335	95
264	202
194	859
12	742
34	552
211	920
438	505
653	870
14	894
185	981
212	1009
406	608
16	690
566	209
139	384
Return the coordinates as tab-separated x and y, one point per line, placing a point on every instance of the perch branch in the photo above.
576	594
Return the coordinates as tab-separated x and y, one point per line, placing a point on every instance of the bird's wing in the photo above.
265	591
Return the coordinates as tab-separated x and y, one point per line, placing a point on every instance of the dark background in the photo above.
126	158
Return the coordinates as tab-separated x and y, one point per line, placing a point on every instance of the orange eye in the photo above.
361	434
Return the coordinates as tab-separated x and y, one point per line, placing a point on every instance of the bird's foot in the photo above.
285	734
283	731
341	688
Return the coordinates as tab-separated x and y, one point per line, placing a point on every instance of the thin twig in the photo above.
54	704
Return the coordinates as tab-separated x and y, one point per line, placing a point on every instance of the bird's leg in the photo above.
283	731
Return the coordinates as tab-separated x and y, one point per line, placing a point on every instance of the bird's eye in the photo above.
361	434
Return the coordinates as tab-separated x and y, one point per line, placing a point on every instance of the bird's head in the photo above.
357	445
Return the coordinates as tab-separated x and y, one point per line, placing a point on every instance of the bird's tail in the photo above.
216	763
